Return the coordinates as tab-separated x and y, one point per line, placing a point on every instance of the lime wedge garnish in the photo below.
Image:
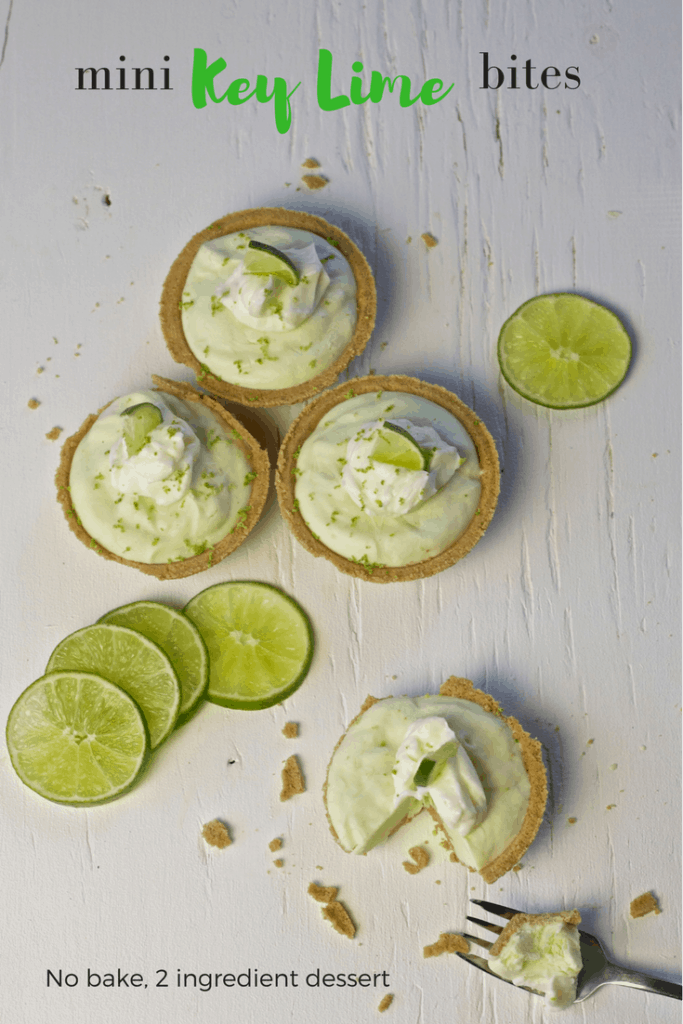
140	421
260	643
178	638
268	261
76	738
396	447
563	351
131	661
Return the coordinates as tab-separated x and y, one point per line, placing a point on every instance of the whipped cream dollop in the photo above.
268	302
162	469
449	780
544	955
381	489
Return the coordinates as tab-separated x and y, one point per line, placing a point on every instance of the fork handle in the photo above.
635	979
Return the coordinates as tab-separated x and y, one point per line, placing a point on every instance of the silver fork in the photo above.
597	969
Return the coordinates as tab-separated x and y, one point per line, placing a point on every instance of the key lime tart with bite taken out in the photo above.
455	754
164	480
389	478
268	306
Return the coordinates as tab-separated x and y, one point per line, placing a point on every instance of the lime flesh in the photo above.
267	261
260	643
140	421
131	661
178	638
77	738
396	447
563	351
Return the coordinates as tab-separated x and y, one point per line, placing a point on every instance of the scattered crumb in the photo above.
610	807
279	863
310	163
314	181
421	858
613	767
323	893
292	779
338	916
318	867
590	743
275	844
571	821
449	942
41	369
438	881
215	833
518	867
33	403
386	1002
409	239
452	857
53	434
291	730
644	904
429	240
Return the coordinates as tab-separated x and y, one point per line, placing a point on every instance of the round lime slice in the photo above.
77	738
396	447
563	351
178	638
131	661
140	421
266	260
260	643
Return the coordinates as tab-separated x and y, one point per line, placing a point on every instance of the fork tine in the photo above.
486	924
496	908
480	942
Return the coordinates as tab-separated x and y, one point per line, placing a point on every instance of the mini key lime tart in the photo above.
389	478
165	480
268	306
478	774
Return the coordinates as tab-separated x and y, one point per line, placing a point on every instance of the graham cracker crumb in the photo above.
429	240
323	893
518	867
215	833
449	942
310	162
33	403
275	844
338	916
314	181
292	779
386	1002
53	434
291	730
645	904
279	863
421	858
571	821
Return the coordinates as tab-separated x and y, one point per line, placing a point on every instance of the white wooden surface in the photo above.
568	611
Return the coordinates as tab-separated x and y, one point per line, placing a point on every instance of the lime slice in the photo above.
140	421
563	351
131	661
268	261
396	447
179	639
76	738
260	643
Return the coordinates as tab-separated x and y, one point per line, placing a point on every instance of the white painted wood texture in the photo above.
567	612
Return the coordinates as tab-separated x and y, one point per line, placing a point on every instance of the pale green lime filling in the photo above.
360	782
546	957
134	527
254	358
332	515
